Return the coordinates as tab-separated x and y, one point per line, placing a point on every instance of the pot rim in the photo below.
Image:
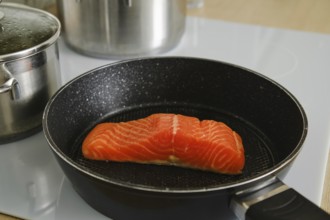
38	47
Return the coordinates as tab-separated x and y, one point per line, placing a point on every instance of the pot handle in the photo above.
11	85
276	201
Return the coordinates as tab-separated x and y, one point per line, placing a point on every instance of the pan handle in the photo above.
275	201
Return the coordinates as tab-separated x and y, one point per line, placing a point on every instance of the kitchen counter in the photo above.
302	15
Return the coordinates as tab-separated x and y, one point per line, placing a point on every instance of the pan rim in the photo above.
253	179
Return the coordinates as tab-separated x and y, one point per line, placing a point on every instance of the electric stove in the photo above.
32	185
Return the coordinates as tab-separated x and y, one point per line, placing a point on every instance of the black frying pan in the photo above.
270	120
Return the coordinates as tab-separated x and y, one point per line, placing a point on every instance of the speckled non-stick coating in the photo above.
268	119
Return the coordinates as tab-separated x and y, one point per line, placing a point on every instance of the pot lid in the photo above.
25	30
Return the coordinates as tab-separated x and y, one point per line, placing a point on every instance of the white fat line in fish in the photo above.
175	126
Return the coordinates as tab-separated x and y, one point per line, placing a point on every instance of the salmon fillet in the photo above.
168	139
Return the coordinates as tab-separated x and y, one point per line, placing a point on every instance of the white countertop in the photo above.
33	186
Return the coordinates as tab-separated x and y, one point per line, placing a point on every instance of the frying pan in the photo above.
272	123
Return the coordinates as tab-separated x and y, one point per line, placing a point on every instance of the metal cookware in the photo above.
272	123
122	28
29	68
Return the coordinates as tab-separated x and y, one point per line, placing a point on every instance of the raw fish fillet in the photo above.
168	139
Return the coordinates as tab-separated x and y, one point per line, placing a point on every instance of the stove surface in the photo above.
33	186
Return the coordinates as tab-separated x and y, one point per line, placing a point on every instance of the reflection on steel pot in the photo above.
117	28
29	68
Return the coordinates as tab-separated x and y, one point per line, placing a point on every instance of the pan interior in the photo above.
260	156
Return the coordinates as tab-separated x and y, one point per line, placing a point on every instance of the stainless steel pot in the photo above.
29	68
122	28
